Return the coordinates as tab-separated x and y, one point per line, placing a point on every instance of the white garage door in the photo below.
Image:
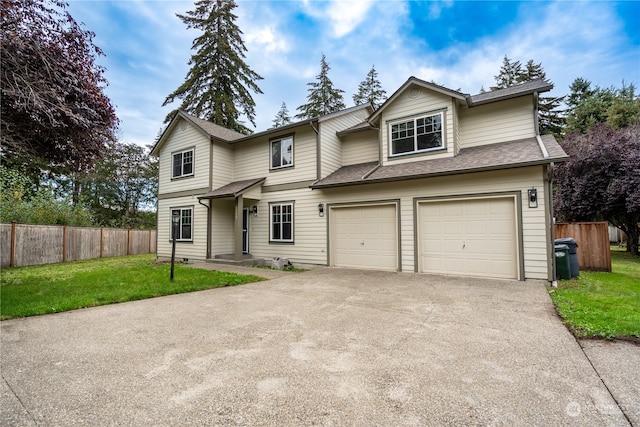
364	237
474	237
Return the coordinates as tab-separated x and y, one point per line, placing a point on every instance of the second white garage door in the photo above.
364	237
471	237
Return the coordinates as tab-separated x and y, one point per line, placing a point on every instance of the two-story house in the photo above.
434	181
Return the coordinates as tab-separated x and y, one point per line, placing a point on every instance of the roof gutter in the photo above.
432	174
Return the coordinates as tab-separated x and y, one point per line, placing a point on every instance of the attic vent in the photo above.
414	92
182	125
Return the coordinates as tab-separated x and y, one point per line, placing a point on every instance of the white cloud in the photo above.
266	39
342	16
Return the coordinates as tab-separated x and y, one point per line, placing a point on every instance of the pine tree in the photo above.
282	117
370	90
323	97
509	74
217	85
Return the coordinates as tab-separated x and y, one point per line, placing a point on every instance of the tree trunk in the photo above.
632	240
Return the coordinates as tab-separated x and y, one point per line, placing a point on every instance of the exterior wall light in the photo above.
533	197
321	209
254	209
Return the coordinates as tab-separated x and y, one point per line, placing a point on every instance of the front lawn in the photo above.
603	305
29	291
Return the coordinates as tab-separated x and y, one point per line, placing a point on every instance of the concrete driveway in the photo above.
325	347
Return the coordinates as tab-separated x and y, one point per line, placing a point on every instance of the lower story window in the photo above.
281	222
184	229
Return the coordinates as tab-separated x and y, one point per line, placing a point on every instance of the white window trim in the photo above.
281	240
415	135
279	140
181	209
193	163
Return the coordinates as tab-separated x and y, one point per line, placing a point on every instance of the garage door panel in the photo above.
364	237
477	238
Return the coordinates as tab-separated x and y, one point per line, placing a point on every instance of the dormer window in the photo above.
417	135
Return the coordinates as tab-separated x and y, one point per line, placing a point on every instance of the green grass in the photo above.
30	291
603	305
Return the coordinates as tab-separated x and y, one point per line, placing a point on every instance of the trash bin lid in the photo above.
561	247
566	241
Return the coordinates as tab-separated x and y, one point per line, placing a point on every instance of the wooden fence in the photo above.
24	244
594	252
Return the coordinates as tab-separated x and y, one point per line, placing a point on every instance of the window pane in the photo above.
287	151
429	140
404	145
286	231
187	163
177	164
275	231
276	155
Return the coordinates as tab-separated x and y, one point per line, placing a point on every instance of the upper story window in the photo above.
182	164
417	135
282	152
184	228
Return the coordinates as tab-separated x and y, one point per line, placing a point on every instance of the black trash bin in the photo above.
573	254
563	267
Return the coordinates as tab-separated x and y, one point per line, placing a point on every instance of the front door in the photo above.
245	230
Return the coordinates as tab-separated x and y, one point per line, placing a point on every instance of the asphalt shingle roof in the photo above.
213	129
232	189
506	155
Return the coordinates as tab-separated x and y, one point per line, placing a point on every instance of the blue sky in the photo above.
457	44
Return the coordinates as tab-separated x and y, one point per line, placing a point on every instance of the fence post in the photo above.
64	243
12	258
128	241
101	230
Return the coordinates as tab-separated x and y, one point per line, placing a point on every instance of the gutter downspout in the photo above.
545	153
548	179
318	157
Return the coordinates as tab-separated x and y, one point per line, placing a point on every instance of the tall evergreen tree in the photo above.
370	90
509	74
282	117
217	87
323	97
588	106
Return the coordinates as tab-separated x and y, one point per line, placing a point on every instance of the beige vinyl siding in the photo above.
309	236
360	147
497	122
222	241
252	158
412	104
222	168
197	249
456	127
182	138
331	146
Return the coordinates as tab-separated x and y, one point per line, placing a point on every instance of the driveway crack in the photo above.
603	382
31	417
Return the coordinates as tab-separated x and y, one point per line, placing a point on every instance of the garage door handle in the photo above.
362	243
464	245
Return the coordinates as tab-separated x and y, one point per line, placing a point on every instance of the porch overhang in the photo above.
233	189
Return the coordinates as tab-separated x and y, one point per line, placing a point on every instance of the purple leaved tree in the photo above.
601	181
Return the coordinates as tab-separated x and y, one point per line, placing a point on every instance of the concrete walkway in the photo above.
325	347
